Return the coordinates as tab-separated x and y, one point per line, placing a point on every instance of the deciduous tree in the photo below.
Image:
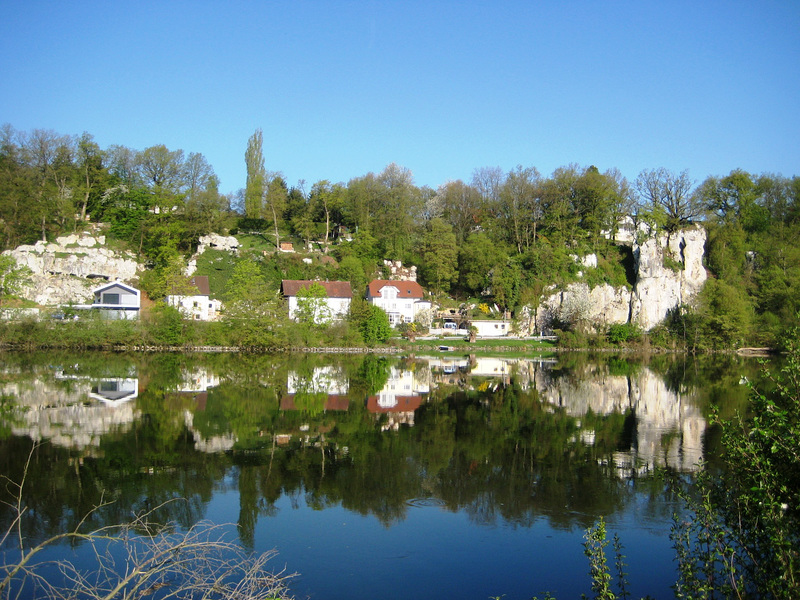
439	255
669	195
256	176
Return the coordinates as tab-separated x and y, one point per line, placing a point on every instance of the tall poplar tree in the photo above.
256	175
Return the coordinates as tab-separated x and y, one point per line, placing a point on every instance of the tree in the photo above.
17	188
669	196
439	255
198	175
734	199
559	203
476	259
507	284
246	293
256	176
461	206
488	181
371	321
42	150
207	210
742	540
326	201
597	202
12	276
521	206
277	194
399	207
91	174
162	171
312	305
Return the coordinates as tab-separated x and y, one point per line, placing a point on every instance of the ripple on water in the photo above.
425	502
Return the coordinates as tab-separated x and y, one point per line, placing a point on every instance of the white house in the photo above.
401	300
115	300
115	390
334	306
490	328
198	306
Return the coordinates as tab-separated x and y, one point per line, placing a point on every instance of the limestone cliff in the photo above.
669	272
68	269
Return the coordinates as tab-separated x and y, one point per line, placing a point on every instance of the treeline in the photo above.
500	237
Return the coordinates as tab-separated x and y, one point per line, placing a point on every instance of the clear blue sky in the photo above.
341	89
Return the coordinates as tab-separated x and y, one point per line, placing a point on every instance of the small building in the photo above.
198	306
401	300
490	328
115	300
334	306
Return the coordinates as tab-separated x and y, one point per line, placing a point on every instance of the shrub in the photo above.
622	333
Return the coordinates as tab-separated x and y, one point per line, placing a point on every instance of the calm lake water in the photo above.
375	477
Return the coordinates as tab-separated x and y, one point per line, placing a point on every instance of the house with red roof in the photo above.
401	300
333	306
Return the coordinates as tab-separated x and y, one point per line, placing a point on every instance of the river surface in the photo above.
441	476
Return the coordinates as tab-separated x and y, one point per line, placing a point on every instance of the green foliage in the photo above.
600	573
439	256
375	327
167	327
743	529
12	277
622	333
726	315
477	257
312	306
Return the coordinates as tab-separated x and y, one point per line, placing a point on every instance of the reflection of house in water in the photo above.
399	398
330	382
669	425
456	370
115	390
76	417
194	388
198	380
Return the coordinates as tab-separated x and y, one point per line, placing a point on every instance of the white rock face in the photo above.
218	242
597	308
212	241
397	272
657	290
67	270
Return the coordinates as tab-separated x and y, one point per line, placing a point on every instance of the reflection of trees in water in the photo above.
500	453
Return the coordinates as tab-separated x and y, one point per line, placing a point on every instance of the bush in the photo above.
622	333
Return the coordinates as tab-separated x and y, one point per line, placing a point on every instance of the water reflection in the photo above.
662	426
500	441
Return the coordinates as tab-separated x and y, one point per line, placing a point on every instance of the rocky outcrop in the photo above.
212	241
66	270
669	272
596	307
397	272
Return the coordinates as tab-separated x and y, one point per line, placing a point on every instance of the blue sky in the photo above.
341	89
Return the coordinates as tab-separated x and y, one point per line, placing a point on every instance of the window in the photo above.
110	298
